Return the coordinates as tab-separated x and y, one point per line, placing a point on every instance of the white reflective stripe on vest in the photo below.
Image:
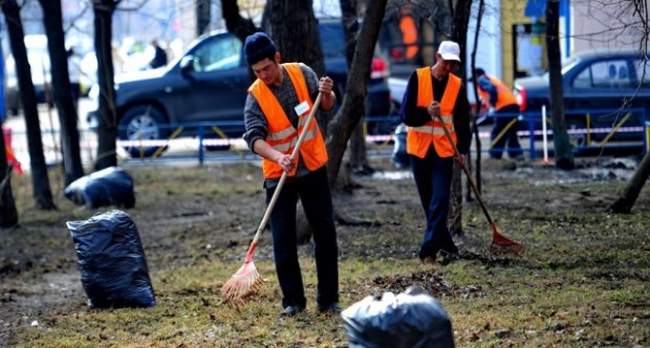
284	147
281	134
446	119
429	130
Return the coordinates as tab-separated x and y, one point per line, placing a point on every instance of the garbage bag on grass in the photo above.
109	186
410	319
113	267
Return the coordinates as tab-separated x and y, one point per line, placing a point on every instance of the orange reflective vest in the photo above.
419	139
409	36
504	95
282	136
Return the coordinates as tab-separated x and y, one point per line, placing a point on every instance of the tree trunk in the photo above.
65	105
461	15
626	200
462	11
107	120
561	144
202	16
341	127
358	155
477	111
294	28
441	15
40	181
8	213
235	24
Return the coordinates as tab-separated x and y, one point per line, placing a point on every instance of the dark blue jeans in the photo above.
433	179
314	193
509	141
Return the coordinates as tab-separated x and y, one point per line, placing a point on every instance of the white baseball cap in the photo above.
449	50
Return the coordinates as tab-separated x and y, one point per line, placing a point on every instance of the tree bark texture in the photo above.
294	28
341	127
107	120
40	182
235	23
65	105
8	213
358	154
461	15
561	144
477	112
202	16
626	200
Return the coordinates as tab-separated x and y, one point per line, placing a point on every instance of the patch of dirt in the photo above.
430	281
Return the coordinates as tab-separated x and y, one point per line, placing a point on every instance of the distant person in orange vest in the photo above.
431	92
497	95
409	34
277	105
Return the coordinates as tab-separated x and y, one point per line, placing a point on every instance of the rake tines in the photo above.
501	241
246	281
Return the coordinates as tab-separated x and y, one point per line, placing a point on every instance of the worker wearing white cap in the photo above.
436	98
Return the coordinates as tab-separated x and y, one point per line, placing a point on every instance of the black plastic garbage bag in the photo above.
412	319
113	267
109	186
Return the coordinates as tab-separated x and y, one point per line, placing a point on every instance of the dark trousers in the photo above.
433	178
313	191
509	140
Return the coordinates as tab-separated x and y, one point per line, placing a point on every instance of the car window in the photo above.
606	74
332	39
583	80
642	68
222	52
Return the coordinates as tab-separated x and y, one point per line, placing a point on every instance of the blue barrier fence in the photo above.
588	129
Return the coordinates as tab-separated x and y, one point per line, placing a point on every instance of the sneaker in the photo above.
333	309
290	311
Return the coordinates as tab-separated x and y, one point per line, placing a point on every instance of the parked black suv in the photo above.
600	89
209	82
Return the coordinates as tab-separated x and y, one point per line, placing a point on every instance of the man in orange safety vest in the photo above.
435	98
275	113
496	94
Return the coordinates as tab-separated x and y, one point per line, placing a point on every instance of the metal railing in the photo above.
589	129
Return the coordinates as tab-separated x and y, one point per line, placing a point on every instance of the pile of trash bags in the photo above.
411	319
111	260
109	186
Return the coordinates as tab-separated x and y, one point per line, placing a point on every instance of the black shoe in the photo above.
290	311
447	257
333	309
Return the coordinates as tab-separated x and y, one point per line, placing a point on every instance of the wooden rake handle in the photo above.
283	178
469	176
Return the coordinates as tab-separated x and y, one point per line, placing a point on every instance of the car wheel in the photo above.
142	122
